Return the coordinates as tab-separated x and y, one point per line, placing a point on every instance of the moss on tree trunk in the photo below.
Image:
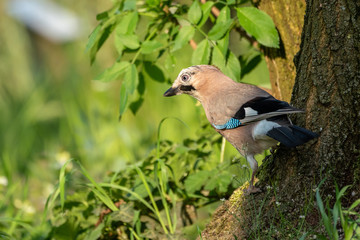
288	17
327	86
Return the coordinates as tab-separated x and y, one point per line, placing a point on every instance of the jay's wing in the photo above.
260	108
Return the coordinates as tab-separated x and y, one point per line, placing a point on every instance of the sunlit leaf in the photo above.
150	46
224	14
233	67
129	41
128	23
223	44
201	55
129	5
92	38
219	30
259	25
218	59
113	72
123	100
195	13
206	9
131	79
185	34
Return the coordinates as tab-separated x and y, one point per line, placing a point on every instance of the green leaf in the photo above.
113	72
129	5
201	55
154	72
150	46
62	180
224	14
123	100
131	79
223	44
96	233
129	41
92	38
135	105
206	9
259	25
219	30
233	67
102	15
195	13
185	34
98	38
125	214
218	59
220	182
354	205
128	23
195	181
98	190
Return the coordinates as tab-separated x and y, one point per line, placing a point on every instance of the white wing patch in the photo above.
250	112
260	130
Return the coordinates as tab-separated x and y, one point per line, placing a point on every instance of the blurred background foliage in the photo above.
53	110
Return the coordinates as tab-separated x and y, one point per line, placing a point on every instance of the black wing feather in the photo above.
263	105
291	136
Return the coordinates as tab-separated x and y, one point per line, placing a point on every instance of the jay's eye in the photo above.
185	77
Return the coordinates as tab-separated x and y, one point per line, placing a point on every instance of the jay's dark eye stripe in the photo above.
249	118
187	88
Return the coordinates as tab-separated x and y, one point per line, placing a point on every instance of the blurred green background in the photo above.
52	110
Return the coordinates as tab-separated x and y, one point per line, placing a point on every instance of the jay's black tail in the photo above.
291	136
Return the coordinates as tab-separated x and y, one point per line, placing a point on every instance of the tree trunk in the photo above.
327	86
288	17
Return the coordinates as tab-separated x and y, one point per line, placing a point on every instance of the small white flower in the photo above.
3	181
222	199
302	216
277	203
25	206
62	157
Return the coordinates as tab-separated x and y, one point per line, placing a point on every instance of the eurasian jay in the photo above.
248	117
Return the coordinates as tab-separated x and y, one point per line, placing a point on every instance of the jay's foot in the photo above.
251	190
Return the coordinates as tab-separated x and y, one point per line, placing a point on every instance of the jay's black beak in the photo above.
171	92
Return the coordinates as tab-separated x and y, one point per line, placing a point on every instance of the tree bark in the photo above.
327	86
288	17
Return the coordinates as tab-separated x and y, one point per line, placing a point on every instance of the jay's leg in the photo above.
254	166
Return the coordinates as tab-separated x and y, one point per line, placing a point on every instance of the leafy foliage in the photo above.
349	218
170	26
153	197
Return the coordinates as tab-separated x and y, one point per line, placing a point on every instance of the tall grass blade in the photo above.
62	181
142	177
159	130
134	194
160	179
50	202
98	190
324	216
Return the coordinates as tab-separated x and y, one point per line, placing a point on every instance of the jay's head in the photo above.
194	81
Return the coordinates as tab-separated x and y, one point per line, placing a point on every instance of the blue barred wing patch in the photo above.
232	123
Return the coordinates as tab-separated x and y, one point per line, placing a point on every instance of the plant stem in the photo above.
222	152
